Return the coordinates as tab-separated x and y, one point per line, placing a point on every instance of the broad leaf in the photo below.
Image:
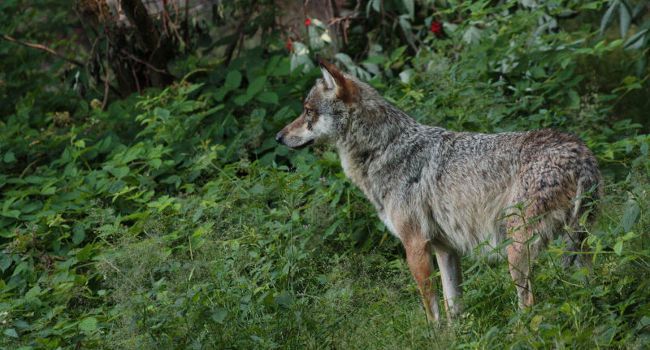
604	22
233	80
256	86
624	18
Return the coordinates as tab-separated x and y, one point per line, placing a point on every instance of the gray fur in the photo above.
456	190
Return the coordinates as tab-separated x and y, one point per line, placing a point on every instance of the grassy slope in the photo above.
265	275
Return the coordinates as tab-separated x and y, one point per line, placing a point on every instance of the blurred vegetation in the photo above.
156	210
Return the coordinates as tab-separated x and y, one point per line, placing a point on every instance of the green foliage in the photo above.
633	19
25	87
173	220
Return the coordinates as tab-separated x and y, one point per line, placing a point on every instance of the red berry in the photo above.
307	22
436	28
289	44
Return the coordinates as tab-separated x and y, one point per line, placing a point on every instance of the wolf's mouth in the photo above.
308	143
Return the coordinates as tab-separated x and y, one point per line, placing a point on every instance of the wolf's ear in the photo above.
345	89
328	78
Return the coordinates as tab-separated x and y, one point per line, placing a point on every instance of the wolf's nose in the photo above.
278	137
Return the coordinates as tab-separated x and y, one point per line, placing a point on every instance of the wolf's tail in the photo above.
588	191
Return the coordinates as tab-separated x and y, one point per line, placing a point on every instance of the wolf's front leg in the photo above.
418	256
452	277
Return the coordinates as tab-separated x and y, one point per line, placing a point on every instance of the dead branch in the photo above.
42	48
143	62
106	84
230	50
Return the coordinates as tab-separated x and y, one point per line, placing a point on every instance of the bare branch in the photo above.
42	48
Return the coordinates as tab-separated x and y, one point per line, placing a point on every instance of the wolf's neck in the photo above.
372	129
376	124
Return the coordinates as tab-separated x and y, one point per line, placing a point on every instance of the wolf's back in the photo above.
480	179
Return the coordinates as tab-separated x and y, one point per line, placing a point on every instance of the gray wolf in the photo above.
446	192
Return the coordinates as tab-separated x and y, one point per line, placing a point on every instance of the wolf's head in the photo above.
326	110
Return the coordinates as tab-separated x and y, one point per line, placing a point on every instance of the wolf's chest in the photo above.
356	175
351	170
389	223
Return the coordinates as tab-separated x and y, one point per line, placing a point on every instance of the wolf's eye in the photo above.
309	117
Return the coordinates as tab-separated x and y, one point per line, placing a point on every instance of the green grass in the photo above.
262	275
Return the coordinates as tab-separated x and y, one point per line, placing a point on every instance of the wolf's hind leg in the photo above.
418	257
521	255
577	248
452	277
576	233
